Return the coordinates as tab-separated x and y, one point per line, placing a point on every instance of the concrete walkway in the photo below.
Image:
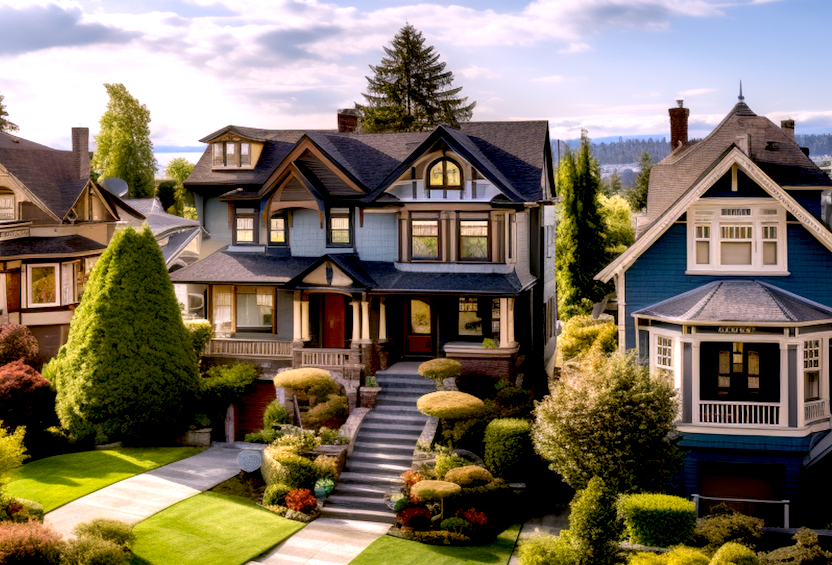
139	497
326	541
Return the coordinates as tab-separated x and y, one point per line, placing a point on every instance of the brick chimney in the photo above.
788	127
81	152
347	120
678	125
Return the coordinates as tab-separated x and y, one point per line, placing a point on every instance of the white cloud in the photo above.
578	47
477	72
696	92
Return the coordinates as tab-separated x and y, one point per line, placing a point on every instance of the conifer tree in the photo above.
581	233
410	89
5	125
123	147
637	196
128	369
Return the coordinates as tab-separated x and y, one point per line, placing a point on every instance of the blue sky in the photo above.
611	66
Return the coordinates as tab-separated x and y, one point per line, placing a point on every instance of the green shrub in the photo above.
657	520
805	551
544	549
331	436
677	556
434	490
314	383
716	530
445	461
440	369
508	447
299	440
12	451
200	332
327	466
20	509
29	543
514	402
275	494
275	414
26	398
455	525
469	433
284	465
93	550
114	531
583	333
734	554
469	476
263	436
594	526
335	407
451	405
489	343
223	385
18	342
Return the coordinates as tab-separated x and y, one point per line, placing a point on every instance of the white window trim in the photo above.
675	368
818	369
756	219
29	301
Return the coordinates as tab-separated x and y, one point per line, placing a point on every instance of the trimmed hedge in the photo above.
316	383
657	520
440	369
469	476
434	490
735	554
508	446
450	405
320	414
284	465
677	556
275	494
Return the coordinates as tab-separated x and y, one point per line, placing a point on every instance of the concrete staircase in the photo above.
383	450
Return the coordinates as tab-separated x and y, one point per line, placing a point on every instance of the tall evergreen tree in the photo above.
123	147
410	90
637	196
128	370
5	125
581	233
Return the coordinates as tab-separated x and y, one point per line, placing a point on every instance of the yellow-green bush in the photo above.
583	333
316	383
508	446
724	525
327	466
450	405
735	554
657	520
440	369
434	490
284	465
677	556
469	476
545	549
335	407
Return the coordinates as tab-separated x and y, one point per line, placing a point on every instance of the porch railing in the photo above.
756	413
813	411
327	358
766	509
249	348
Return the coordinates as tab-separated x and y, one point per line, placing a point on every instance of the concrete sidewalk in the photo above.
139	497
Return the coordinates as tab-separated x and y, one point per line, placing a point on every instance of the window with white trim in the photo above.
811	369
231	154
42	282
749	238
664	354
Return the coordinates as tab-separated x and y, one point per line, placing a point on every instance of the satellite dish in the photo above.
115	185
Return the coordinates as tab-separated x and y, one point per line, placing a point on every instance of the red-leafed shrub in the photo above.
416	518
301	500
26	398
17	342
476	518
29	543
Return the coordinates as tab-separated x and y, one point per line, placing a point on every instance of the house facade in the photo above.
726	292
341	249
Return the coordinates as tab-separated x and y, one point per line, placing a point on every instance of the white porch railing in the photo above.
249	348
813	411
756	413
748	506
327	358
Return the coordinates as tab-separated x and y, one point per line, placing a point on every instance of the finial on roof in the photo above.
741	97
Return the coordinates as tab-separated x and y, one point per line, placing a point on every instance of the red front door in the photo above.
334	321
419	328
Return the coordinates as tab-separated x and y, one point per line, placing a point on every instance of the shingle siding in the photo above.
306	236
379	238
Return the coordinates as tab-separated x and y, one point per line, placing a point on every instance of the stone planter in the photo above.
368	395
196	438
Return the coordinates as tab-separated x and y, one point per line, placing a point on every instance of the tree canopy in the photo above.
123	146
410	90
175	199
5	124
128	369
637	196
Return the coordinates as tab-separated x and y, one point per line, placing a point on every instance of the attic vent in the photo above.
772	146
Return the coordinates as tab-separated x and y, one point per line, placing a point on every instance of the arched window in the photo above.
445	175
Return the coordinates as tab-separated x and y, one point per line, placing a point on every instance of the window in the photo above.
231	154
245	154
511	236
474	239
6	206
495	317
255	308
811	369
664	355
43	285
747	238
424	237
70	291
221	302
444	175
470	321
245	226
339	230
278	230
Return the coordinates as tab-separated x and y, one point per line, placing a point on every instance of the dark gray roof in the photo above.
48	246
176	242
742	301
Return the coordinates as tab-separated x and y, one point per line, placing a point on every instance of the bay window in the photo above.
811	369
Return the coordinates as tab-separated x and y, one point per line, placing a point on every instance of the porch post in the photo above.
504	341
784	385
356	322
510	321
365	319
801	382
296	317
695	377
382	320
304	307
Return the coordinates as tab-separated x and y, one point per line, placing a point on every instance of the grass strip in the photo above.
54	481
414	553
209	529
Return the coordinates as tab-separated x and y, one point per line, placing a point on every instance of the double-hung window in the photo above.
474	238
811	369
7	207
339	228
278	229
424	237
664	355
245	226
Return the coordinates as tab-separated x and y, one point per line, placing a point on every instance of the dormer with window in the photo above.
230	151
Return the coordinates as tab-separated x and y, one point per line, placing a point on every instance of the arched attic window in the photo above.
445	174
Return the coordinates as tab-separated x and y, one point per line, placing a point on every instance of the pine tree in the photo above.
411	90
123	146
637	196
128	370
581	233
5	125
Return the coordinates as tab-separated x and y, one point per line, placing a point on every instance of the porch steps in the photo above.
383	450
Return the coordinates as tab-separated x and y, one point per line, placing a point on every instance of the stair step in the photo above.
397	417
376	468
396	391
418	382
363	478
393	427
355	514
381	457
375	436
385	447
361	502
407	408
361	490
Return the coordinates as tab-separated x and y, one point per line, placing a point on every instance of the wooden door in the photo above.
334	321
419	327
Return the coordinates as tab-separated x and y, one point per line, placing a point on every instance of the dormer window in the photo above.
231	154
444	175
6	206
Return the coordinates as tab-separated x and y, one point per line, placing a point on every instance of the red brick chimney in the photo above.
347	120
788	127
81	152
678	125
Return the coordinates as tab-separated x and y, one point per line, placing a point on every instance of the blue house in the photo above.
727	292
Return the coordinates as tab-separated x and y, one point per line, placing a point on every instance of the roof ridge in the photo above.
786	312
697	308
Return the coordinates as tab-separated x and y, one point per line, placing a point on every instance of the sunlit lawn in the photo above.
209	529
54	481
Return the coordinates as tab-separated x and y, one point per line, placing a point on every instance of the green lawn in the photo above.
414	553
209	529
54	481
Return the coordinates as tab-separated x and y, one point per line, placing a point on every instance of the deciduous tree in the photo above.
178	170
123	147
5	124
410	90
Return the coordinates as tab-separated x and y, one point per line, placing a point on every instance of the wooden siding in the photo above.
249	410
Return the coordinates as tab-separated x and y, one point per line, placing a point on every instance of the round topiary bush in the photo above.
735	554
310	381
450	405
440	369
508	447
275	494
469	476
434	490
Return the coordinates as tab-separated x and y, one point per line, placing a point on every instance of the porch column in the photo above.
356	322
382	320
365	320
801	385
297	333
784	385
504	340
695	376
304	308
510	321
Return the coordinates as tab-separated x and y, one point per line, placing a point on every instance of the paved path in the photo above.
549	524
139	497
326	541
